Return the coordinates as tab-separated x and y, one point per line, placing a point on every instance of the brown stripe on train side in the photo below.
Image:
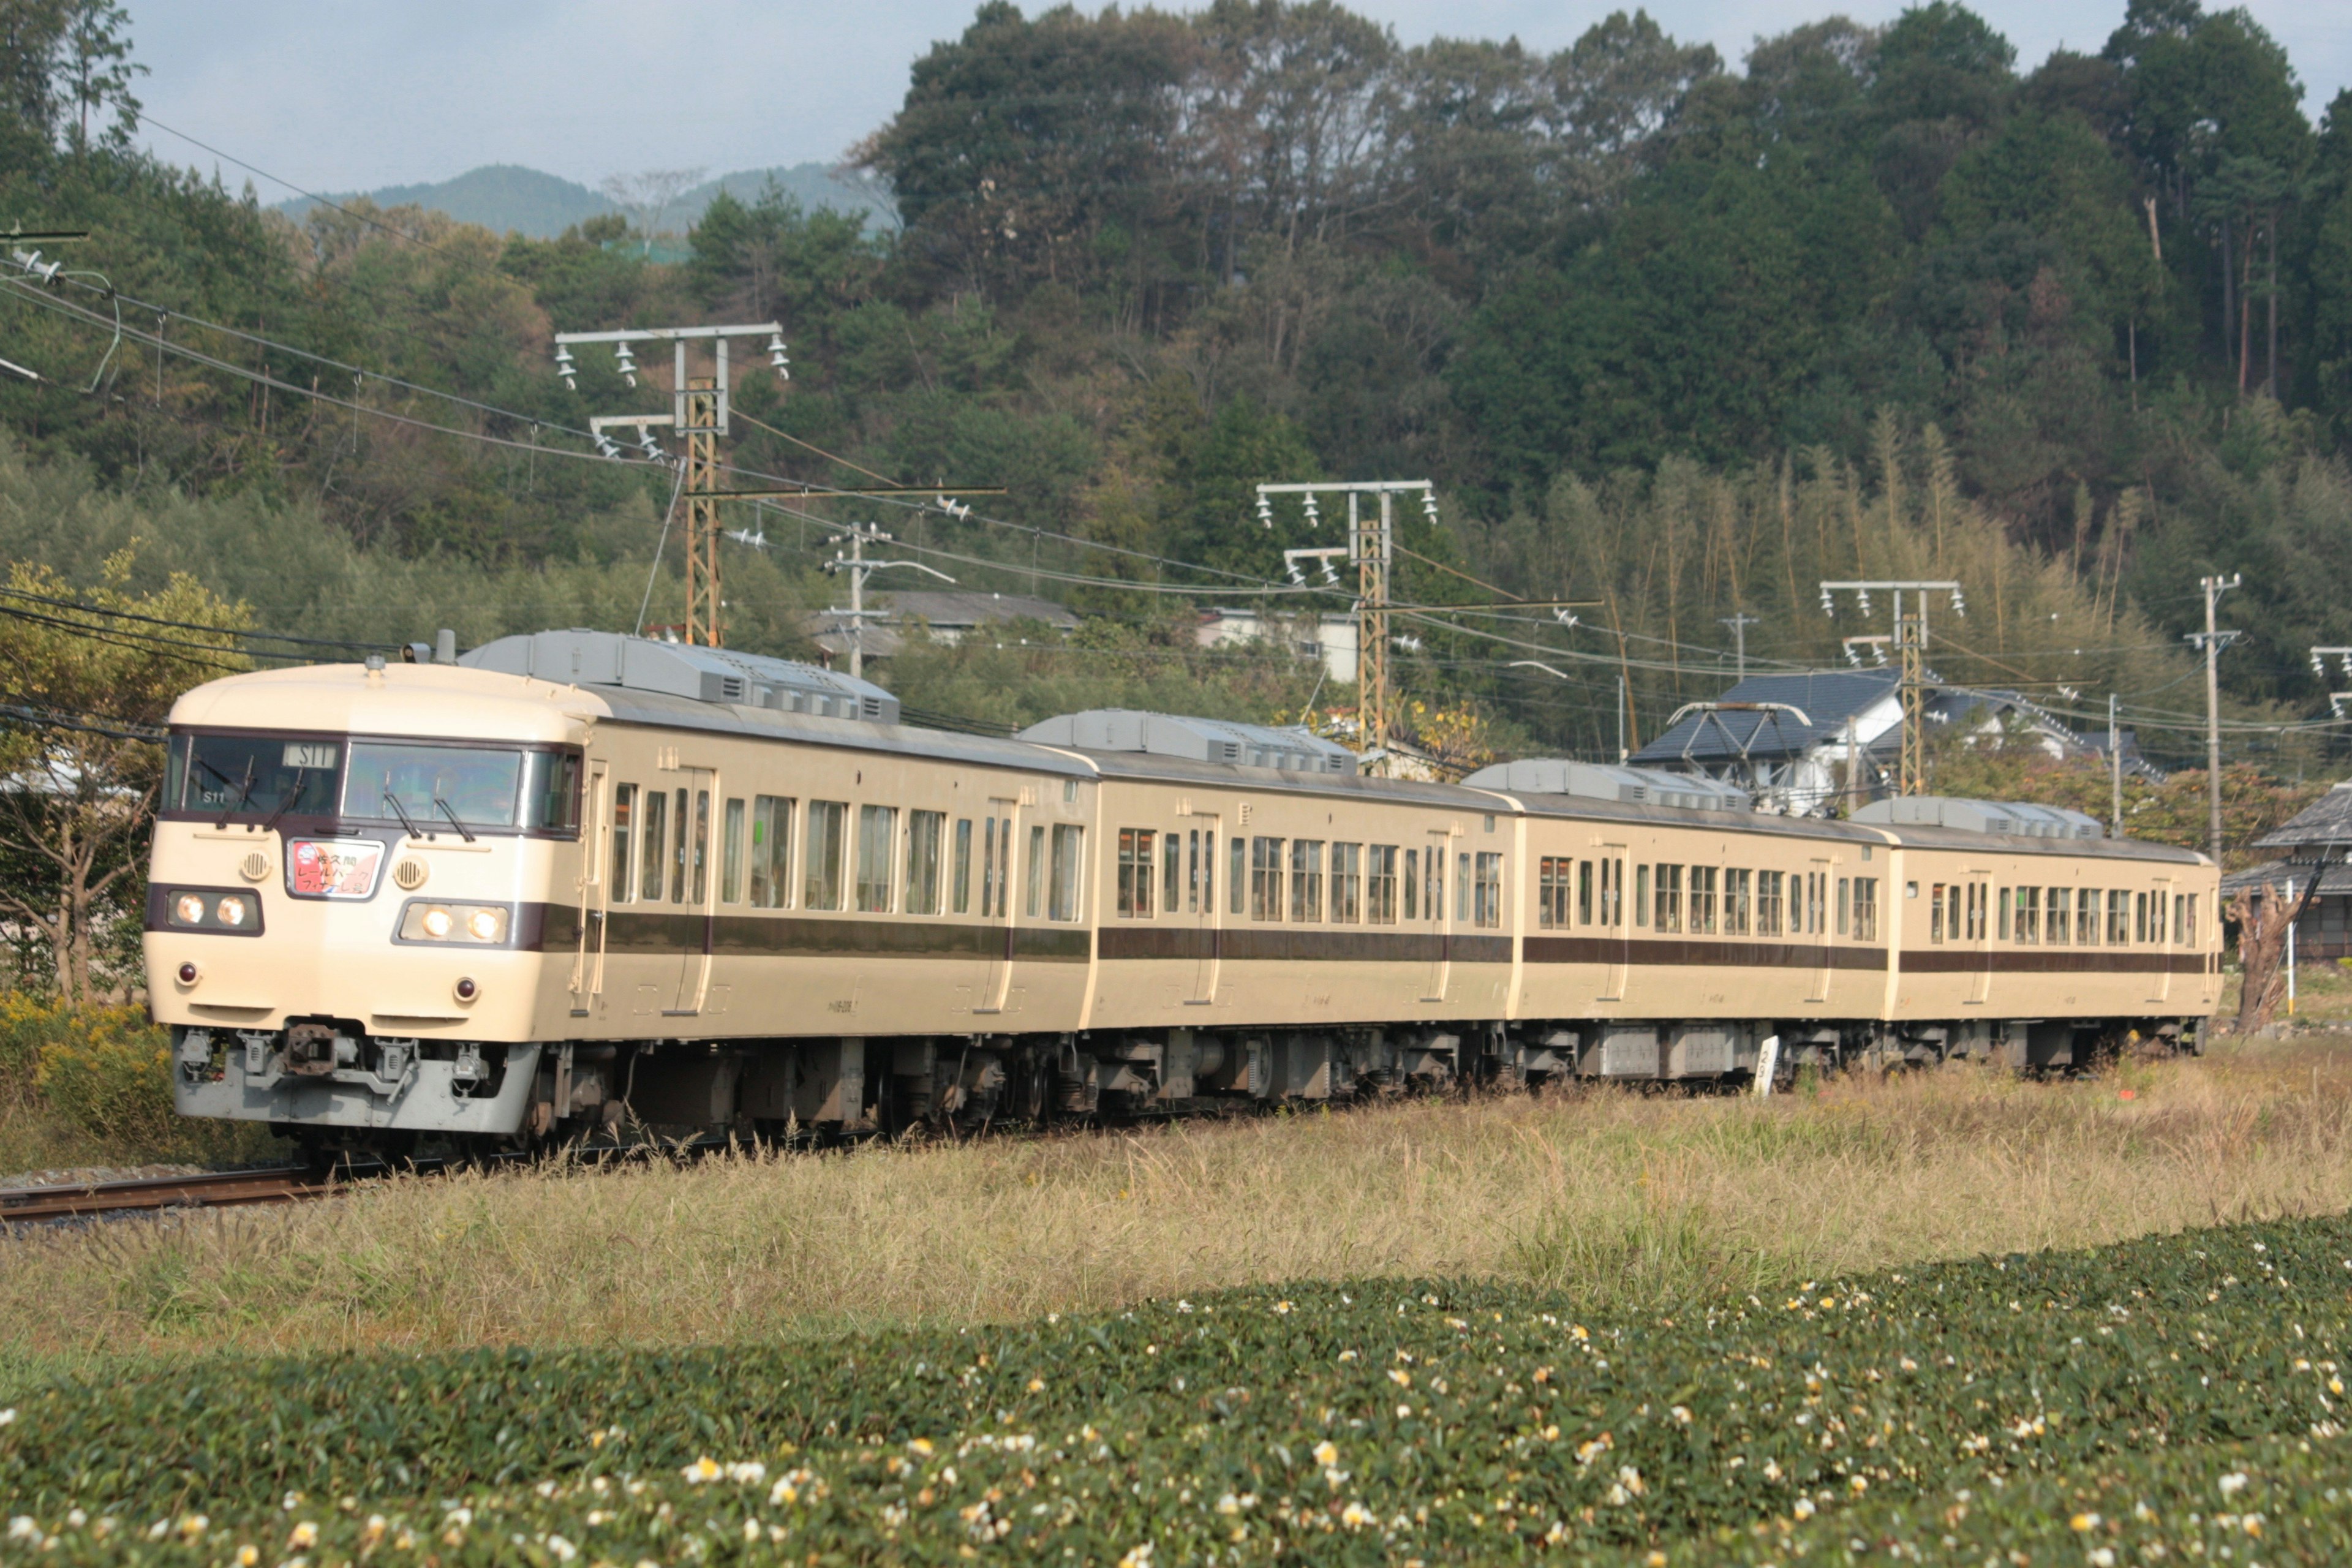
1672	953
2060	960
1273	944
782	935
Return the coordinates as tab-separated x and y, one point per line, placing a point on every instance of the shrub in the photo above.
105	1070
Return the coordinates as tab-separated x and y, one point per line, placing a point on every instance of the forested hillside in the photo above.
1677	337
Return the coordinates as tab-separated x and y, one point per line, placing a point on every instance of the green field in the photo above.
2182	1391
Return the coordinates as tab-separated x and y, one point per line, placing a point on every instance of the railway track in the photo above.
212	1189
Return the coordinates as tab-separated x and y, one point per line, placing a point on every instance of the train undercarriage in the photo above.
330	1086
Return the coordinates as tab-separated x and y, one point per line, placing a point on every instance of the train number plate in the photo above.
333	867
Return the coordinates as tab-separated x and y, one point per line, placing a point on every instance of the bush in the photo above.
108	1072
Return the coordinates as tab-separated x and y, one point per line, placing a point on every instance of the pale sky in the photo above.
345	95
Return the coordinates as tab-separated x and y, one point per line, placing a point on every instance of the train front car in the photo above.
347	897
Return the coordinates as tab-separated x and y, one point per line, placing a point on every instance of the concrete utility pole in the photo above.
2213	642
2115	761
1372	547
1911	643
1739	625
856	568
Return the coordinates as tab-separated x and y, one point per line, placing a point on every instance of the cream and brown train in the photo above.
577	882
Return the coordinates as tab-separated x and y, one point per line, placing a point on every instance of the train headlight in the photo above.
190	909
460	925
210	910
231	912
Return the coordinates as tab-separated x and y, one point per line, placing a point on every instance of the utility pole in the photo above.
1739	625
698	410
856	568
2319	658
2213	642
1911	644
1372	547
2115	761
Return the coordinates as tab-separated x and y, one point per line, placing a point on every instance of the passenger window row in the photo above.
896	863
2084	917
1703	900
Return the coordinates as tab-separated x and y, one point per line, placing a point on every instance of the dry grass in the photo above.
1605	1195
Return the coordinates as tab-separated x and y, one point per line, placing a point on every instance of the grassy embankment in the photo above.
1621	1197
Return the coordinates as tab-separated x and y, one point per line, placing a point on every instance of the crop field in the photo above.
1957	1318
2173	1397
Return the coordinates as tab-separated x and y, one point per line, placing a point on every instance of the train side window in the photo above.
877	836
1236	878
2179	923
823	847
1845	905
1668	909
1642	894
1977	895
1552	875
1462	888
1306	879
1208	870
1432	885
1584	892
625	828
1347	883
2139	915
925	829
1192	869
2087	916
730	855
1613	892
1135	872
655	852
1866	909
1412	884
1486	887
1171	866
1702	901
1738	889
1381	885
682	827
772	856
2118	917
2026	926
2189	932
1266	879
1936	914
1069	842
1035	899
959	877
2056	922
2001	902
1768	903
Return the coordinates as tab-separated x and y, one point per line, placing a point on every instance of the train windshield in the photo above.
410	782
266	775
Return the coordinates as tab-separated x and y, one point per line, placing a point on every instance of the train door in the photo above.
1810	900
996	831
1616	924
2159	935
1439	911
595	892
690	886
1201	906
1979	934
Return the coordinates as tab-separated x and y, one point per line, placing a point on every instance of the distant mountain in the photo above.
506	197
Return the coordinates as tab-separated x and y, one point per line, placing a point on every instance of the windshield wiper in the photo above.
287	803
400	812
243	794
462	831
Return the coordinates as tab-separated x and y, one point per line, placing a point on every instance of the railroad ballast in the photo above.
578	882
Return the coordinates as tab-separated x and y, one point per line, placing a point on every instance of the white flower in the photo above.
1802	1508
2102	1557
749	1472
8	1416
1326	1453
563	1549
2234	1483
22	1527
1140	1555
305	1535
703	1469
1355	1516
